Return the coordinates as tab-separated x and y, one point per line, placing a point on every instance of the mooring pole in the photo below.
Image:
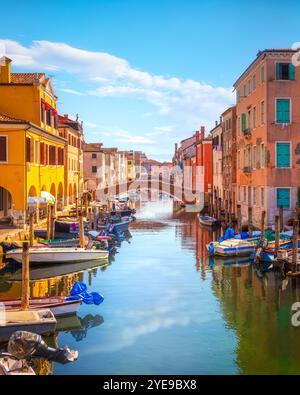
277	234
250	222
295	245
25	277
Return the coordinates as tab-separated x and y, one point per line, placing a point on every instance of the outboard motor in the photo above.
24	345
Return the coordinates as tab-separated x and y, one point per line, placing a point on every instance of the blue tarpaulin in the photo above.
79	291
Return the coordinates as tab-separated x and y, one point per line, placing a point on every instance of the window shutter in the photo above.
283	155
243	121
3	152
283	111
283	197
292	71
278	71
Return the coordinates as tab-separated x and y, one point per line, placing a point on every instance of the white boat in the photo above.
38	321
57	304
58	255
235	247
207	221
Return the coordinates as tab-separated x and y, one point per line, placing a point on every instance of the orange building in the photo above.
268	145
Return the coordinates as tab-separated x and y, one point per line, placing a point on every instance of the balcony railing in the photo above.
247	132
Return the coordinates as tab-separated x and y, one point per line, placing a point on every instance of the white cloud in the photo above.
72	91
189	102
118	135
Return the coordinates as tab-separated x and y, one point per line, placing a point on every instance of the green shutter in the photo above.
243	121
292	71
277	71
283	197
283	111
283	155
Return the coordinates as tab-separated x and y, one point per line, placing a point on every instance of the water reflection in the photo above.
170	308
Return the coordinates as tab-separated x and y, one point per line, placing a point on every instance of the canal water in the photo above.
169	309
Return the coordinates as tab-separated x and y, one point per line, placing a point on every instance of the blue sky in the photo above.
144	74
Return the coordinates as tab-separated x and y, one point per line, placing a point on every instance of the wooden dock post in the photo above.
239	218
31	231
261	239
226	212
52	219
90	217
76	206
295	245
86	204
25	277
277	234
48	222
230	212
250	222
81	229
281	217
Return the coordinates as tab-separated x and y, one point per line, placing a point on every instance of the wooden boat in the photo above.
207	220
12	366
38	321
235	247
58	255
60	243
58	305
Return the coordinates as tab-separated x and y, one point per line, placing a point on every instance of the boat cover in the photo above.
79	291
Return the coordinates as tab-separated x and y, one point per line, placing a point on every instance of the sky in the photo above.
144	74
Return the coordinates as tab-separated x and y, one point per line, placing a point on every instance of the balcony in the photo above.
247	133
247	170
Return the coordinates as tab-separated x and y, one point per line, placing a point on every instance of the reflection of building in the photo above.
259	311
31	150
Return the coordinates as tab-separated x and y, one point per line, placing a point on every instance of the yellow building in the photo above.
72	131
31	149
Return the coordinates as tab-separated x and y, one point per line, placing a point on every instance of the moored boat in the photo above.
59	305
207	220
234	247
38	321
58	255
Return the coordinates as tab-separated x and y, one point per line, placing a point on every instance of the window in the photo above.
239	125
239	193
238	96
52	155
254	196
29	150
244	89
285	71
94	156
243	122
249	87
254	82
283	110
262	197
254	117
249	157
283	197
249	196
262	155
245	194
254	157
262	112
94	169
262	74
283	155
238	159
60	156
48	117
244	157
249	119
3	149
42	153
36	152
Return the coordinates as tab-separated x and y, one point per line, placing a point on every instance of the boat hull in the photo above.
58	255
58	305
39	321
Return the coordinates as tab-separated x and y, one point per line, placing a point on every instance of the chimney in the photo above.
66	116
176	146
5	74
202	132
220	119
197	137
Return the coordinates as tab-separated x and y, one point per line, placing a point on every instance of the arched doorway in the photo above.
60	196
70	194
5	202
32	191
